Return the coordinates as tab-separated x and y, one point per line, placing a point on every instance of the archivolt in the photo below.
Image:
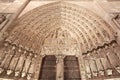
88	29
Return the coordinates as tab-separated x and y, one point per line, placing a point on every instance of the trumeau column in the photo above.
81	67
60	67
38	66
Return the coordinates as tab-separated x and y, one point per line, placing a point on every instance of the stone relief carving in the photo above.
81	22
17	61
60	42
103	61
73	33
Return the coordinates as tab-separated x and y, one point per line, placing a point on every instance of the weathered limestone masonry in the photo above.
59	28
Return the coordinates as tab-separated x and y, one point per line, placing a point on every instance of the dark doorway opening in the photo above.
71	68
48	69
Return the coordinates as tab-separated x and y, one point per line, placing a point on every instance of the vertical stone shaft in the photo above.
60	67
82	68
38	66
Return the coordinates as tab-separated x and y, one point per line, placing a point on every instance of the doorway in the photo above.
48	69
71	68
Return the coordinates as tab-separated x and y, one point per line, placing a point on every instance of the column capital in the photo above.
60	58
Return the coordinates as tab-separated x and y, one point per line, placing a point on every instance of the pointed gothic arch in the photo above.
88	29
54	29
